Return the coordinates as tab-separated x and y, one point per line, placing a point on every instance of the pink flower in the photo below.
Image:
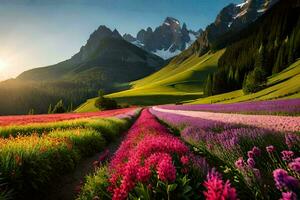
143	174
166	170
216	189
250	154
285	182
288	196
256	151
270	149
251	162
239	163
287	155
257	173
184	160
295	165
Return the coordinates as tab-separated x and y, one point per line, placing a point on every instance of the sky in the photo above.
37	33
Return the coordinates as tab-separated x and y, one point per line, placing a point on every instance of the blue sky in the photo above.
36	33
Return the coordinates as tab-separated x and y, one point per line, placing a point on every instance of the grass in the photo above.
284	85
182	82
176	82
105	125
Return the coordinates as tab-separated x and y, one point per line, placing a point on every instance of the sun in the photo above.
3	64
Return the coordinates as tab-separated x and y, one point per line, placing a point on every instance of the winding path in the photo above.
277	123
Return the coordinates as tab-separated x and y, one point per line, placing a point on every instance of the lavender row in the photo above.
281	107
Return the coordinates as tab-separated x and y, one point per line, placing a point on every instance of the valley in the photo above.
167	112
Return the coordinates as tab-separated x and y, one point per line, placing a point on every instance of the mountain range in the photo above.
134	65
167	40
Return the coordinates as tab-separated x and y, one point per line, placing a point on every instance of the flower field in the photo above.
260	159
278	107
31	119
29	161
167	153
151	163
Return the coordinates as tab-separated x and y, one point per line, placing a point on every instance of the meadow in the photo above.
169	155
33	155
231	151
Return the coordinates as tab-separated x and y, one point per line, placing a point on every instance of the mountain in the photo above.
167	40
106	62
106	57
230	20
266	47
271	42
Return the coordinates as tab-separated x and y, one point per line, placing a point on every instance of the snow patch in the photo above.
166	54
242	4
166	23
138	43
241	14
262	10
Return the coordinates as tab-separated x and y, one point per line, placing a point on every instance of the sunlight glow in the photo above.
3	64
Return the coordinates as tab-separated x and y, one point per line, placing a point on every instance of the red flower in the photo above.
217	189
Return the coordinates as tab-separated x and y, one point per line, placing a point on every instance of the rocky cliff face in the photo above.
167	40
232	18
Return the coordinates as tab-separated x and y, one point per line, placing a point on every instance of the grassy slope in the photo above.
174	83
285	84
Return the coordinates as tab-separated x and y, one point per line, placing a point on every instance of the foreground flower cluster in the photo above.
263	162
29	162
153	164
149	152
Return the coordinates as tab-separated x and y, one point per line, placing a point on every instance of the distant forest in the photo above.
266	47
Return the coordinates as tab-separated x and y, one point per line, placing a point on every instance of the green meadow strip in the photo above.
31	160
100	124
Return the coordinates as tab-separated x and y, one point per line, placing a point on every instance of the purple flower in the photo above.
239	163
270	149
288	196
250	154
291	139
283	181
295	165
251	162
287	155
256	173
256	151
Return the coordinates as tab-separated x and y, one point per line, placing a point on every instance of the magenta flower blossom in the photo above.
184	160
251	162
257	173
287	155
147	151
216	188
285	182
256	151
166	170
270	149
250	154
240	163
288	196
295	165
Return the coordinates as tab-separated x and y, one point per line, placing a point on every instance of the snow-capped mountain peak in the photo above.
167	40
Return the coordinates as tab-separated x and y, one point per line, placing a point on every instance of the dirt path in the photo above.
64	188
278	123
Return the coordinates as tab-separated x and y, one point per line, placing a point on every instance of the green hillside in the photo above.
283	85
180	80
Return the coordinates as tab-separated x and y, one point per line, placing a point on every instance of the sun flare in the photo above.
3	64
